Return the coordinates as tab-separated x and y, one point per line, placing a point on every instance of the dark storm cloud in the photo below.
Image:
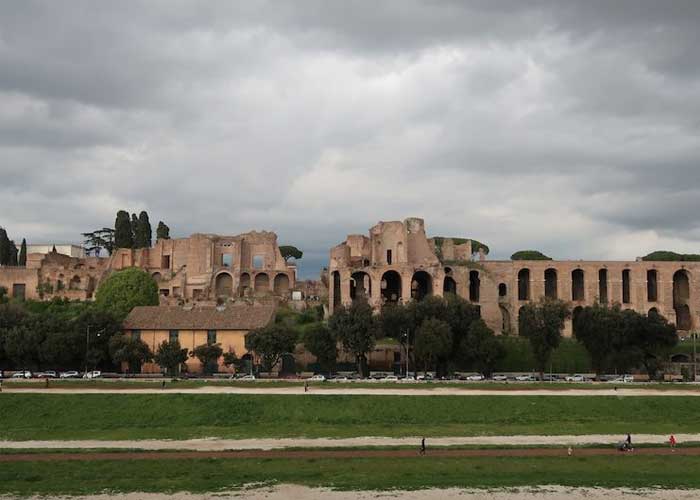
567	126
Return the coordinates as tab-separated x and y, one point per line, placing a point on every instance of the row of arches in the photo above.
223	284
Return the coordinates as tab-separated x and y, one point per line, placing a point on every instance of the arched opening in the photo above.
502	290
281	284
74	283
244	284
449	285
653	312
474	286
603	286
391	287
577	285
680	358
224	285
421	285
505	320
626	286
574	317
681	297
550	283
652	285
262	283
524	284
336	289
156	276
360	285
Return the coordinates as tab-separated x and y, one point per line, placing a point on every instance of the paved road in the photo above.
336	454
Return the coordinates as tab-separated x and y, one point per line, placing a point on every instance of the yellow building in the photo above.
194	326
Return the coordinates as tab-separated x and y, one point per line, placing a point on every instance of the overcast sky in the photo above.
568	127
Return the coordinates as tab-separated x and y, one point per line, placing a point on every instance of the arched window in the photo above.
550	283
577	285
474	286
524	284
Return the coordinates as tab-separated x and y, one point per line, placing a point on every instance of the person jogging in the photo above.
422	446
672	442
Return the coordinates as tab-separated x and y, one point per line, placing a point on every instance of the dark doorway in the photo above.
550	284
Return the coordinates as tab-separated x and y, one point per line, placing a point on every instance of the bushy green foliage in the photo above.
126	289
529	255
208	355
666	255
542	322
162	231
143	233
320	341
356	328
22	259
130	350
433	341
271	342
170	356
290	252
123	235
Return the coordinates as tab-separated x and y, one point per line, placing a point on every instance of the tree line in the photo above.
10	255
128	232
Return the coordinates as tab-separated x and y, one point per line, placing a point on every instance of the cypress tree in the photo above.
4	248
144	233
22	260
13	254
134	228
163	231
123	237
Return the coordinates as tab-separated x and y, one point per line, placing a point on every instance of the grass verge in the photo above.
182	416
210	475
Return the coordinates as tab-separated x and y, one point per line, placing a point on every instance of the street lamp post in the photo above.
87	346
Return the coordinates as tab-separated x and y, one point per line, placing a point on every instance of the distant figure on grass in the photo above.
422	447
570	451
306	386
672	442
629	442
162	384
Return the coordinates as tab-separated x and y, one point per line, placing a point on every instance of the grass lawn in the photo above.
181	416
209	475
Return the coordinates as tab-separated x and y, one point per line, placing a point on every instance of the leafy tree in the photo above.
208	355
126	289
134	229
123	235
163	231
102	325
651	337
231	359
20	346
356	328
271	342
320	341
3	295
433	341
289	252
143	234
4	248
13	254
529	255
481	349
600	329
98	240
130	350
665	255
22	259
170	356
542	323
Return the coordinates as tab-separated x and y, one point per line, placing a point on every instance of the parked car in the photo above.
409	378
46	374
624	379
69	374
390	378
339	378
500	378
425	377
247	376
526	378
550	377
22	374
477	377
575	378
93	374
318	378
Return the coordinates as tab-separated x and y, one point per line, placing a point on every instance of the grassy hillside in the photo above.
180	416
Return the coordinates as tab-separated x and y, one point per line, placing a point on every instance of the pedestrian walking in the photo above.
422	446
0	385
672	442
629	442
570	451
162	384
306	386
47	382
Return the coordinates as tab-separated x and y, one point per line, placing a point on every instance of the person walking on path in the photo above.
306	386
570	451
672	442
422	446
162	384
629	443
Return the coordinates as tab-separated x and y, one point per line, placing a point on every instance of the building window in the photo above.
211	337
136	334
174	335
626	286
226	260
388	257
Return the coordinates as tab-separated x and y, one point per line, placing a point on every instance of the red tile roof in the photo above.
199	317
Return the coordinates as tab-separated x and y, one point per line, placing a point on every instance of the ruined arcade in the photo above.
397	263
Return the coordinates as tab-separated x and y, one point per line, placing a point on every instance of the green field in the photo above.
181	416
211	475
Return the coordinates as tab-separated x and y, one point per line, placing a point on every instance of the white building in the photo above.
65	249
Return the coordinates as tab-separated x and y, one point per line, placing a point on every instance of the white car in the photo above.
69	374
93	374
575	378
390	378
500	378
318	378
624	379
526	378
246	377
477	377
22	374
46	374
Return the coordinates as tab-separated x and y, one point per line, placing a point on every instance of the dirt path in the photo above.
213	444
334	454
287	491
441	391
